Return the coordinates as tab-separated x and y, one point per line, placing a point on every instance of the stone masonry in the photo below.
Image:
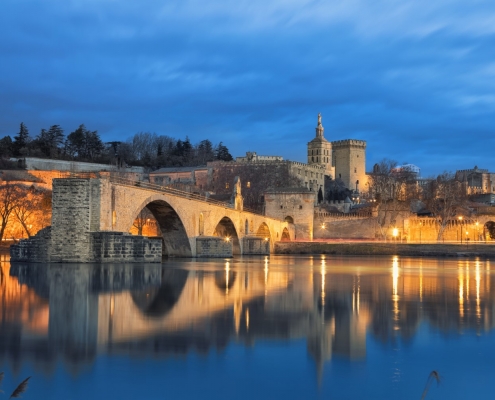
91	219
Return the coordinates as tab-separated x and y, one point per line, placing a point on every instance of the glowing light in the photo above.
322	226
461	292
395	296
227	270
227	239
266	239
478	279
395	232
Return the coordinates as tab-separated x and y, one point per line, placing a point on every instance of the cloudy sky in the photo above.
414	78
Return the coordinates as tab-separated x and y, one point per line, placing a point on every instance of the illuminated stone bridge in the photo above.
92	217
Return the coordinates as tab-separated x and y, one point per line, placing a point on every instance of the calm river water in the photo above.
250	328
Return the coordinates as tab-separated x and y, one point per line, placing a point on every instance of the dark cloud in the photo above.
414	79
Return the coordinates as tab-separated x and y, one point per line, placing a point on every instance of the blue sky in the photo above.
414	78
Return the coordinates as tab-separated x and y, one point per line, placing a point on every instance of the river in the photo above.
250	328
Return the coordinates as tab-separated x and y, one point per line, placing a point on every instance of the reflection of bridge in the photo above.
80	310
92	216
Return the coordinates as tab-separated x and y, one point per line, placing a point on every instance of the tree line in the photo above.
145	149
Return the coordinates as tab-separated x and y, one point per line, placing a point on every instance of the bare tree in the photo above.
31	209
142	219
10	196
445	197
392	188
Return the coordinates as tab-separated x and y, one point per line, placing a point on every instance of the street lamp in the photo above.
460	228
395	233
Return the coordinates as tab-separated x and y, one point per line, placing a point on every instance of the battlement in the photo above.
349	143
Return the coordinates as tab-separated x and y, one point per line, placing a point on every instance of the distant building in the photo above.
477	180
342	159
195	176
252	156
410	168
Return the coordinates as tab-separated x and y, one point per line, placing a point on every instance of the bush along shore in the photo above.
385	249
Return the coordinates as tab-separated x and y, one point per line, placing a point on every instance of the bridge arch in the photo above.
264	231
175	238
289	219
226	229
285	235
157	302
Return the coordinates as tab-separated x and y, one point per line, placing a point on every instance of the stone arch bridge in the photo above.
91	218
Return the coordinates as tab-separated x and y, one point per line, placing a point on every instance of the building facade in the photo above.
342	159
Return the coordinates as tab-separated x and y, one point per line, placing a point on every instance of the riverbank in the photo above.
386	249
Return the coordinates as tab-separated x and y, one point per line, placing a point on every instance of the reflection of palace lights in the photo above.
395	296
227	270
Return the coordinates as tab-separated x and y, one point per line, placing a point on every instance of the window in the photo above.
300	207
227	185
355	170
248	184
312	158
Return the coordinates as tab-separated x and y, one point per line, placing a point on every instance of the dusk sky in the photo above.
414	78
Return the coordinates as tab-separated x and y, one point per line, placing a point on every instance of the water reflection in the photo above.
75	312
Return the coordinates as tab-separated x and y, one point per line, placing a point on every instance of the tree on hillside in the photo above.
223	153
21	140
205	152
445	198
6	146
84	144
49	141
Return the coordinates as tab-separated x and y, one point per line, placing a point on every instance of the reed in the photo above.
434	376
21	388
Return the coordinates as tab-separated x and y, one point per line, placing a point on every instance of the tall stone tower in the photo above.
349	158
320	150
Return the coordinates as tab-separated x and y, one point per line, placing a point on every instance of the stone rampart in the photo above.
346	228
33	163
